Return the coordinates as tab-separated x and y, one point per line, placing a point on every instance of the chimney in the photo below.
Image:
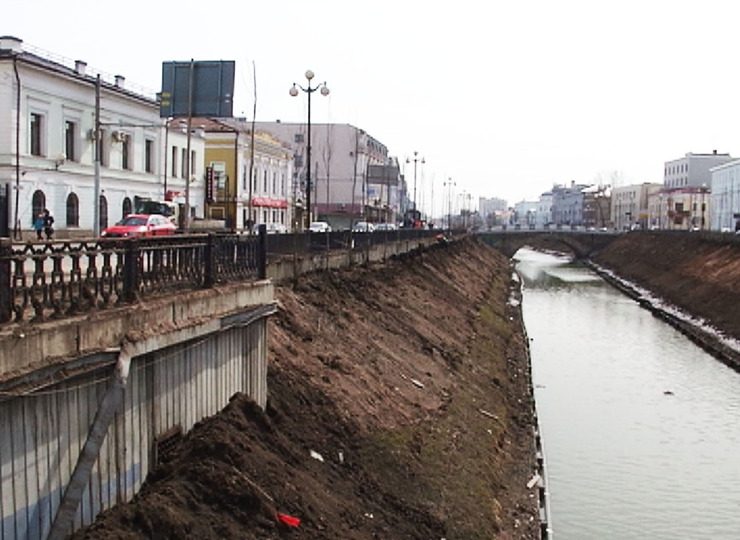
10	43
80	67
120	80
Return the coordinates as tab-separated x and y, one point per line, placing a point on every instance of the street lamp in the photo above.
309	90
449	185
416	159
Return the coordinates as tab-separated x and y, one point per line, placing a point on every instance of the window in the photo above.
103	212
102	155
73	210
264	182
274	183
298	137
174	162
282	185
126	153
184	163
70	140
192	164
126	207
36	126
38	203
255	176
149	156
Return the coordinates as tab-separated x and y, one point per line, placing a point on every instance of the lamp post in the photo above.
416	159
449	185
309	90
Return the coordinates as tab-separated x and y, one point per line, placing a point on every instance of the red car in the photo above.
140	225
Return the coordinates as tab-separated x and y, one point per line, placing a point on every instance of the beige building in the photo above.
680	209
630	206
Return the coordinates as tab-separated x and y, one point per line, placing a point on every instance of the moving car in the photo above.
319	226
363	226
135	225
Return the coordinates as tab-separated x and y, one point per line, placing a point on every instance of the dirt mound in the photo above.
696	272
399	407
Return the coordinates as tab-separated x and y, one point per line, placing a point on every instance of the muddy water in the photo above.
641	428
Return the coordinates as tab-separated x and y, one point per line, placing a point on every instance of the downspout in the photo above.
16	224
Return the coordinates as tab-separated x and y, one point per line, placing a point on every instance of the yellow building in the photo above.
247	177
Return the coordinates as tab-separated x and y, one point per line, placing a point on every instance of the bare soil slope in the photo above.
399	407
696	272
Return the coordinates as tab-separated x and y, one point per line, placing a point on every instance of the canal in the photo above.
640	427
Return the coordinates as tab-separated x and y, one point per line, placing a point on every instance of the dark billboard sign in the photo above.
212	84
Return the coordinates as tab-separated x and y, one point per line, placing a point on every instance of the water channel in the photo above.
640	427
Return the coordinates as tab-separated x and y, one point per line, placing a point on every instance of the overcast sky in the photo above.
505	98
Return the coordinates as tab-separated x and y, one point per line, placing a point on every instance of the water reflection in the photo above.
640	426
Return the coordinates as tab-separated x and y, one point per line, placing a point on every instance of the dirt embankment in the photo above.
698	273
399	407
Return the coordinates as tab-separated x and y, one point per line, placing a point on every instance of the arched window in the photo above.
73	210
38	204
103	212
126	207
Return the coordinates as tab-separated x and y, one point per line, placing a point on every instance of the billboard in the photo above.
382	174
212	84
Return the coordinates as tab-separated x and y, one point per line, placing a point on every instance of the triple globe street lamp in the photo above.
309	90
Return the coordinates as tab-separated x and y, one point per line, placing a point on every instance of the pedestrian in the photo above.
48	224
38	226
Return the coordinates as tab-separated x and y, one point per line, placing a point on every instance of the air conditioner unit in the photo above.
119	136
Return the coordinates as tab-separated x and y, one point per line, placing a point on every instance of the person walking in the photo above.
48	224
38	226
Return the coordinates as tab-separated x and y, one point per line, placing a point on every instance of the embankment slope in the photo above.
699	273
399	407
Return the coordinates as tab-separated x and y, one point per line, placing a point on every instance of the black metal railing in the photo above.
42	280
39	280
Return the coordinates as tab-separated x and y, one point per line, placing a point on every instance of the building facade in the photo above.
49	140
630	207
249	179
692	170
341	190
725	197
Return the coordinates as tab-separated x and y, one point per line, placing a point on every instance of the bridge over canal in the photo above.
582	244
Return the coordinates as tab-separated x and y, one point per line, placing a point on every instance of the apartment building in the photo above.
48	143
341	189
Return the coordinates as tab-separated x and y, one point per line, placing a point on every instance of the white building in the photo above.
544	210
692	170
525	213
725	197
48	140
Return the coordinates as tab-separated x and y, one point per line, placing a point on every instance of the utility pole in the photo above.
98	143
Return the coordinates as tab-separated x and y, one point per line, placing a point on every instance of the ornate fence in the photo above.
51	279
41	280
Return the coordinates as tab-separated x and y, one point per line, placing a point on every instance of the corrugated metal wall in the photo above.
41	434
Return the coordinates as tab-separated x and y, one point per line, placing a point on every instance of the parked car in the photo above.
385	227
272	228
363	226
319	226
140	225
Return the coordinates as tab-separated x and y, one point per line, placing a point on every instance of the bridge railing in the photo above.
39	280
